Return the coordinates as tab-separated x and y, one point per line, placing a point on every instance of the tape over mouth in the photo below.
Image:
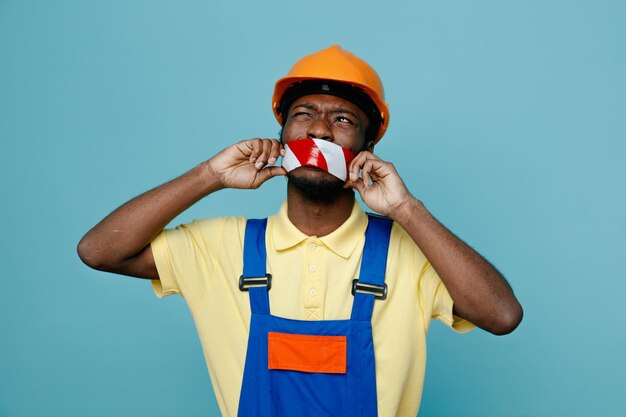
318	153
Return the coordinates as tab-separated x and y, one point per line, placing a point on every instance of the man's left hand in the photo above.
379	184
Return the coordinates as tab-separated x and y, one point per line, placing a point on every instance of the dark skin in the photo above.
330	118
120	243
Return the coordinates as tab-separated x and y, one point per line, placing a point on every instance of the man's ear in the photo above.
370	146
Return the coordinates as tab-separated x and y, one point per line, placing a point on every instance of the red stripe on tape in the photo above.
308	153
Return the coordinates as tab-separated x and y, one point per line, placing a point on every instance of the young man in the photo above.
338	325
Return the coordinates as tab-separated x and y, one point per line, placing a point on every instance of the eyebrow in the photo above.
312	106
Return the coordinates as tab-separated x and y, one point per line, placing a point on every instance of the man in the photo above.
298	341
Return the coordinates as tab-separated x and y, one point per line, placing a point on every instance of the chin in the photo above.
316	184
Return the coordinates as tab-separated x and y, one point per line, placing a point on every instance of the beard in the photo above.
317	189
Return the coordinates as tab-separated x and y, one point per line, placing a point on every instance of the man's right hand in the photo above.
246	164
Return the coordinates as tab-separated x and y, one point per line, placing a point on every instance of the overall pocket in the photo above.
308	374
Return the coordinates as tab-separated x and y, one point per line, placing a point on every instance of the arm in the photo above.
480	293
120	243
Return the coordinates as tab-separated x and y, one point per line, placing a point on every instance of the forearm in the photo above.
129	229
480	293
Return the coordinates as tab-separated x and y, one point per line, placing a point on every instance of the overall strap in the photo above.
255	279
371	282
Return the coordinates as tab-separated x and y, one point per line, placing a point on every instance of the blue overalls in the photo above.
311	368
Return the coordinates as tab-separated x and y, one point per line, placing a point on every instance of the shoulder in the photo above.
211	230
402	246
217	223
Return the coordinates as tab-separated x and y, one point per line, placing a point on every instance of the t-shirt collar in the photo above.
342	241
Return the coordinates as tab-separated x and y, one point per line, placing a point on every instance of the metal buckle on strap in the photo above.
254	282
379	291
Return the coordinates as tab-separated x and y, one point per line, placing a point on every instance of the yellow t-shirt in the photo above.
311	280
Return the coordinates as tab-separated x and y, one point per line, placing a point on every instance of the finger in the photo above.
359	186
357	163
257	148
374	176
348	184
265	154
363	156
274	152
365	173
374	170
270	172
355	166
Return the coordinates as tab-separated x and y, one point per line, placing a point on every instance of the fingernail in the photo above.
271	161
259	165
352	176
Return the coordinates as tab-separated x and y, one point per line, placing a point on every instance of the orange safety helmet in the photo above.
335	64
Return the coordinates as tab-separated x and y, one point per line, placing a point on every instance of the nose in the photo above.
319	129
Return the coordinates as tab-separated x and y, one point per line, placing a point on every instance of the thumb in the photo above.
359	185
270	172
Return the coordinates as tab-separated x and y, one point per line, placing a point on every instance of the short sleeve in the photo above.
185	259
436	301
166	284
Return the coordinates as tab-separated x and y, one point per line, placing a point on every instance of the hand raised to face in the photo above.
247	164
378	183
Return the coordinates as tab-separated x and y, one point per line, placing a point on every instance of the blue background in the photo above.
508	120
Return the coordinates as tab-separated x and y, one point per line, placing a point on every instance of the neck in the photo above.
318	217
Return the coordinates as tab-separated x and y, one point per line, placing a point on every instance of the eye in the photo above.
344	119
301	114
